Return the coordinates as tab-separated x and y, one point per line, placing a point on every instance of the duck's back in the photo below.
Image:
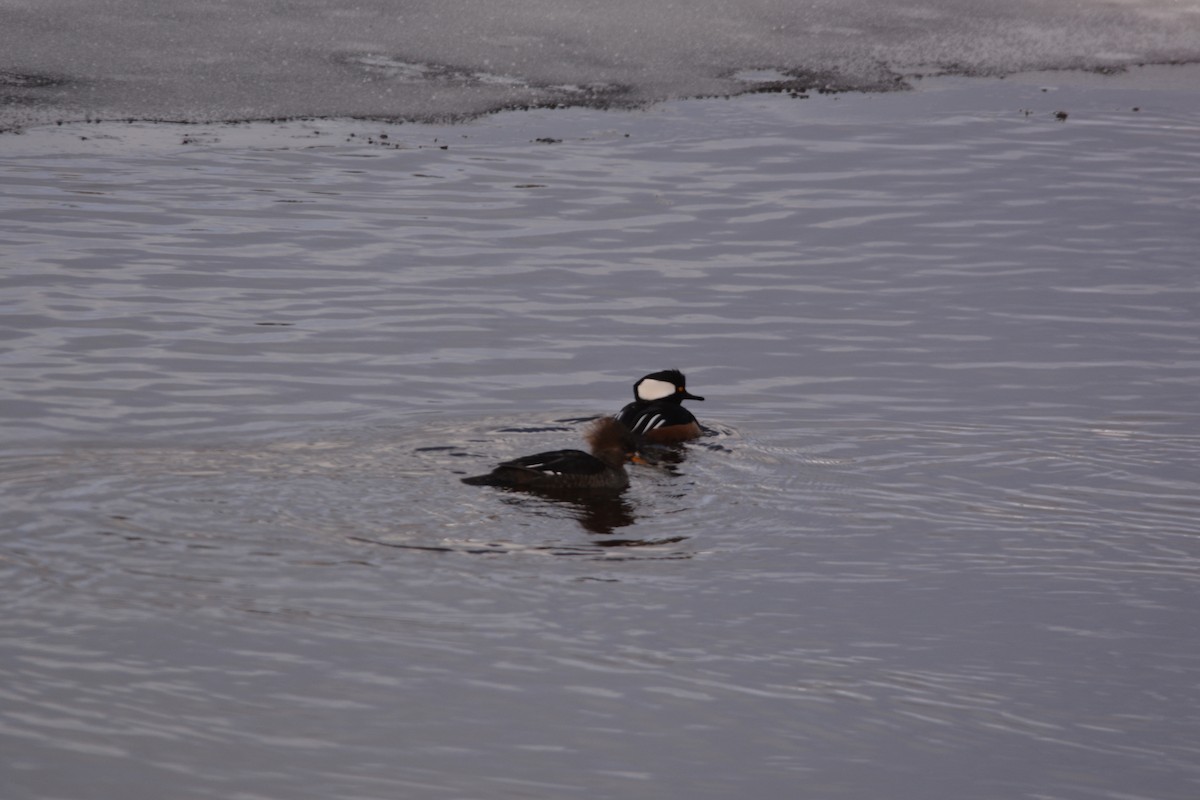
556	469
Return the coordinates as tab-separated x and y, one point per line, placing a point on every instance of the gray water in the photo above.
941	540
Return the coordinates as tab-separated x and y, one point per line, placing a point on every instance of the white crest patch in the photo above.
651	389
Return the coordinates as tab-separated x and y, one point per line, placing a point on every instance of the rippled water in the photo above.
941	539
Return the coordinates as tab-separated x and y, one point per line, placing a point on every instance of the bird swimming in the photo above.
612	445
657	413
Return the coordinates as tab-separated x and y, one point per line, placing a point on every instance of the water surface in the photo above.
940	539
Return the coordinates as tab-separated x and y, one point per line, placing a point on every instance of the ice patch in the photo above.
183	61
394	69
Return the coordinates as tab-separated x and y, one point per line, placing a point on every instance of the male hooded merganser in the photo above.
604	468
657	413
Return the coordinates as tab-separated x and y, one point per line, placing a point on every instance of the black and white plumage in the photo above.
612	446
657	413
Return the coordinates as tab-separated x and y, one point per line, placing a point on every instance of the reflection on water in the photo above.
940	538
597	512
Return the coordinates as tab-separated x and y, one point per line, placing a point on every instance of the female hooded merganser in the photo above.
604	468
657	413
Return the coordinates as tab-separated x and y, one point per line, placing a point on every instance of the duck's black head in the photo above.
668	384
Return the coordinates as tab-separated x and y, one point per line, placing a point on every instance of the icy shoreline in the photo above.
380	59
1046	96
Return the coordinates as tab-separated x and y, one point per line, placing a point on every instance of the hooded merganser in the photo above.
657	413
604	468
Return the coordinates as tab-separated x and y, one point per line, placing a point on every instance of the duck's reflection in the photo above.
599	512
